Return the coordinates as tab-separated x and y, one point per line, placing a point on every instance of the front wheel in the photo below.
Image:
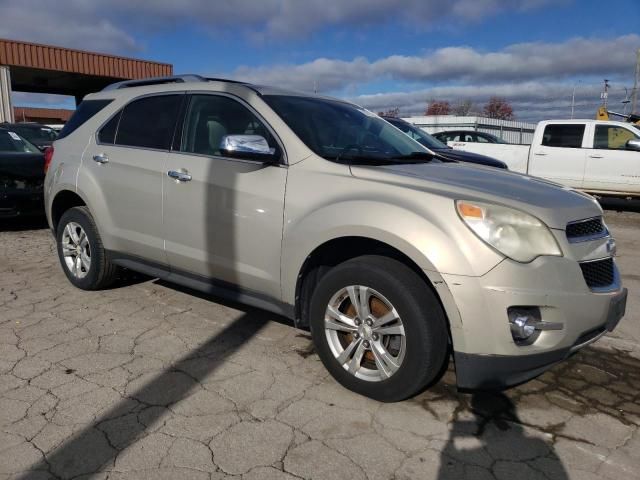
378	328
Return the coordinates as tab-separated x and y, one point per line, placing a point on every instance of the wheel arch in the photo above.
340	249
63	201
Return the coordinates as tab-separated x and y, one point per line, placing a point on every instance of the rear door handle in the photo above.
540	154
179	176
101	158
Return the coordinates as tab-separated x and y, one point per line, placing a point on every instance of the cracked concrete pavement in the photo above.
149	381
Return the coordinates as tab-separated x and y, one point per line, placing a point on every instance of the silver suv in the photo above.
320	211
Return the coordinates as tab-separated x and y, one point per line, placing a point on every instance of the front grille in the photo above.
598	274
582	229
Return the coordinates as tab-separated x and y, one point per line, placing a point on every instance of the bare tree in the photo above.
463	108
440	107
498	108
391	112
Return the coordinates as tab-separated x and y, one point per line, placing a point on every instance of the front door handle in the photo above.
540	154
101	158
179	176
595	156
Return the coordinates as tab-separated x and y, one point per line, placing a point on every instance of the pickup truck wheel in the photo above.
81	252
378	328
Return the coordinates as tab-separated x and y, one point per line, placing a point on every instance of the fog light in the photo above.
523	322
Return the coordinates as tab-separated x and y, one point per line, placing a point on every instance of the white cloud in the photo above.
532	100
110	25
574	57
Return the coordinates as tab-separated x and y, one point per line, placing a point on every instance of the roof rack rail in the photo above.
155	81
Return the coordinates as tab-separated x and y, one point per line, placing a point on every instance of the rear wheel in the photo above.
378	328
82	255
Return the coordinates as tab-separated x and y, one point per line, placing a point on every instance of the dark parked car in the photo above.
467	136
440	148
39	135
21	176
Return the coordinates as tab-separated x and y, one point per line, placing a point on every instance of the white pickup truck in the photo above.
601	157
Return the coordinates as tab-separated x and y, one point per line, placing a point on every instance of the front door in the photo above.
223	216
610	166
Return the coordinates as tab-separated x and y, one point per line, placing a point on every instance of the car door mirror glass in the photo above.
633	145
250	147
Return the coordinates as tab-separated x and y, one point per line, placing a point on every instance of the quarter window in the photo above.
563	136
86	110
149	122
210	117
107	133
612	138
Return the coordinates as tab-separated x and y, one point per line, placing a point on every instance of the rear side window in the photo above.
86	110
149	122
563	136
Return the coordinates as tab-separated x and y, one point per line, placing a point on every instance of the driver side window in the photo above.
210	117
611	137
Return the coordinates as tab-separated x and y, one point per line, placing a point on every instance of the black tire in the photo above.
101	272
425	326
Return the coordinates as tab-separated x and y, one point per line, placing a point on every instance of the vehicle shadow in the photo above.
501	434
91	450
493	432
23	224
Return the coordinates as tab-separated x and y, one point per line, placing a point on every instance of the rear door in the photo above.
559	155
124	167
610	166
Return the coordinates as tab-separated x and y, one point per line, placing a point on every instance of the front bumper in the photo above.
485	353
495	372
21	202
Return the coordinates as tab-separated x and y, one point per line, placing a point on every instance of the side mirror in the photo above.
247	147
633	145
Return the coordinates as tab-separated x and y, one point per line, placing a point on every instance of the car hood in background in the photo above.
554	204
469	157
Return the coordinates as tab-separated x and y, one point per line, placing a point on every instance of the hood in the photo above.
469	157
554	204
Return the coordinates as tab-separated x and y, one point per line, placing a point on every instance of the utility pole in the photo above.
634	94
605	95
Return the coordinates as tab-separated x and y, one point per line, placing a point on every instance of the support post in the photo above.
6	109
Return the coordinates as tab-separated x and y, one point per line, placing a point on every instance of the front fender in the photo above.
434	249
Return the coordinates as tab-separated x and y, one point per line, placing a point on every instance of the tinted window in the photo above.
149	122
86	110
339	130
12	142
565	136
418	134
612	138
38	134
482	139
107	133
211	117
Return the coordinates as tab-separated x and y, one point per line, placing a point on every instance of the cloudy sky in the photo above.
379	53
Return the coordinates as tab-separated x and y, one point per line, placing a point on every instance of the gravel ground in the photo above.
147	380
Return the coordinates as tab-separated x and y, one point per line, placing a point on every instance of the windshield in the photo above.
341	131
418	134
36	134
12	142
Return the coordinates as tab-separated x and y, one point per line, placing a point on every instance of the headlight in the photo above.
515	234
